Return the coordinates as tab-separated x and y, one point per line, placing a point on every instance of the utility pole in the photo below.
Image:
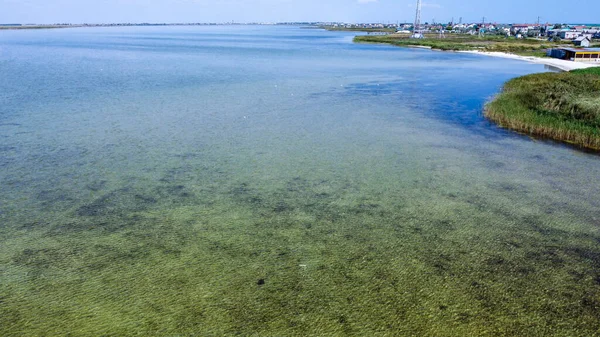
417	34
482	29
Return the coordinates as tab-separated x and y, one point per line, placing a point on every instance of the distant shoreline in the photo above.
35	27
103	25
53	26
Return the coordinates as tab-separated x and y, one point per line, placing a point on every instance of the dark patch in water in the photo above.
451	195
506	187
591	256
117	202
145	199
545	256
177	192
591	302
297	184
496	165
96	185
188	155
245	194
444	224
56	195
537	157
366	207
177	174
535	223
56	199
464	317
281	207
40	259
83	226
34	225
498	265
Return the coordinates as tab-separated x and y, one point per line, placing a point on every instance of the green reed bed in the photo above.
526	47
562	106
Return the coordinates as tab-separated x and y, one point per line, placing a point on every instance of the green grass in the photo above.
562	106
527	47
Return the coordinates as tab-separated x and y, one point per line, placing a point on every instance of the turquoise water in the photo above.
269	181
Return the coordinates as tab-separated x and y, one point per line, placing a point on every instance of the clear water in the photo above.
198	181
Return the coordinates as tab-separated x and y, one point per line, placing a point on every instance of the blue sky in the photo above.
105	11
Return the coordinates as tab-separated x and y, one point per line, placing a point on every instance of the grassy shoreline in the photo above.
560	106
523	47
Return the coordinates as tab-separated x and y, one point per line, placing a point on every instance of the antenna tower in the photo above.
482	29
417	32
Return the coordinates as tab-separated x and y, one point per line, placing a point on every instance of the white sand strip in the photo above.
557	63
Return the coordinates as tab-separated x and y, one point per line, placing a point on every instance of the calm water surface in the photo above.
279	181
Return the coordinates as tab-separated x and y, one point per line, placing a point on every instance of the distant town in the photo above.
562	31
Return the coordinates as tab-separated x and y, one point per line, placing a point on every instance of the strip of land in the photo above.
465	42
37	27
556	63
563	106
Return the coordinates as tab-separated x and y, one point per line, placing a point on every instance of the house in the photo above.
520	29
582	41
576	55
568	34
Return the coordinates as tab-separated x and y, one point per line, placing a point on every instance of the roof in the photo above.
581	38
579	50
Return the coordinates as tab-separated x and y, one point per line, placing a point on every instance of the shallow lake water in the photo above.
278	181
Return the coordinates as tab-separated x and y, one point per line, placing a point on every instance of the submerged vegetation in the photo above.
563	106
199	251
526	47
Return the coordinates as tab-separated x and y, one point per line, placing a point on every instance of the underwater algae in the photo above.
200	252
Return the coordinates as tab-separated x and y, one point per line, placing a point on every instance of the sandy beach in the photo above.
560	64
